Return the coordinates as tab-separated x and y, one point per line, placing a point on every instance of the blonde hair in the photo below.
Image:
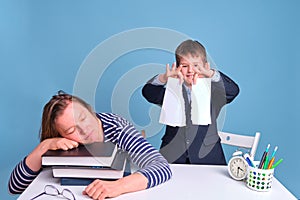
55	107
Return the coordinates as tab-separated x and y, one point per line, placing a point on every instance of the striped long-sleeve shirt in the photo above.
122	133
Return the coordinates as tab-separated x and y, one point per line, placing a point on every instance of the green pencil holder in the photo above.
260	179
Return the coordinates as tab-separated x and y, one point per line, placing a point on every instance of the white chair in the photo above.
242	141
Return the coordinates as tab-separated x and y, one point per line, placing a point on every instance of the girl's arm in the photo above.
34	159
27	170
154	168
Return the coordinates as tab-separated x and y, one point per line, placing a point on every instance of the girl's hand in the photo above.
34	159
100	190
55	144
60	143
108	189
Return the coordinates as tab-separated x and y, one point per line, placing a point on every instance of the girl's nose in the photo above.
80	130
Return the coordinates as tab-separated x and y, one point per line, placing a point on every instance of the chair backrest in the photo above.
243	141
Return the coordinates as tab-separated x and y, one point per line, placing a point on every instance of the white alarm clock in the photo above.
237	166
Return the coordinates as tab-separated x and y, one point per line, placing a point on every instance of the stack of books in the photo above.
82	165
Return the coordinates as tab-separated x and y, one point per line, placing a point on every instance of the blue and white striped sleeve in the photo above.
21	177
150	162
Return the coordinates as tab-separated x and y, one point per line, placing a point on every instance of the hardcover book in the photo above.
98	154
114	172
83	181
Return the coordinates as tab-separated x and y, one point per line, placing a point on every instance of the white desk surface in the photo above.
188	182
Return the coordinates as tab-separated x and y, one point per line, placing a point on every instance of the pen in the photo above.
275	149
263	158
248	159
272	158
277	163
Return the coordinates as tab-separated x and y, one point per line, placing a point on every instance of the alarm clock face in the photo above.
237	168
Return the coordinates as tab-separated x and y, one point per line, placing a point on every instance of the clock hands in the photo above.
238	170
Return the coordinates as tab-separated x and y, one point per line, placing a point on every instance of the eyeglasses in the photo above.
53	191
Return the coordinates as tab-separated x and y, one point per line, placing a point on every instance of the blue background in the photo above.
44	43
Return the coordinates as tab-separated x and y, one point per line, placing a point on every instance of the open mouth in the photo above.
190	76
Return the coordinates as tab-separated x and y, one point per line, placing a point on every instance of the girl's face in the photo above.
188	64
77	123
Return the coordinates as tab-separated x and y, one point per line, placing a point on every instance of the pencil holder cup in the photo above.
259	179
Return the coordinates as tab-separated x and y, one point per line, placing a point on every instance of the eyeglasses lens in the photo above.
51	190
68	194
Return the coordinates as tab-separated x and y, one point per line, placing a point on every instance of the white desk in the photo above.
188	182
